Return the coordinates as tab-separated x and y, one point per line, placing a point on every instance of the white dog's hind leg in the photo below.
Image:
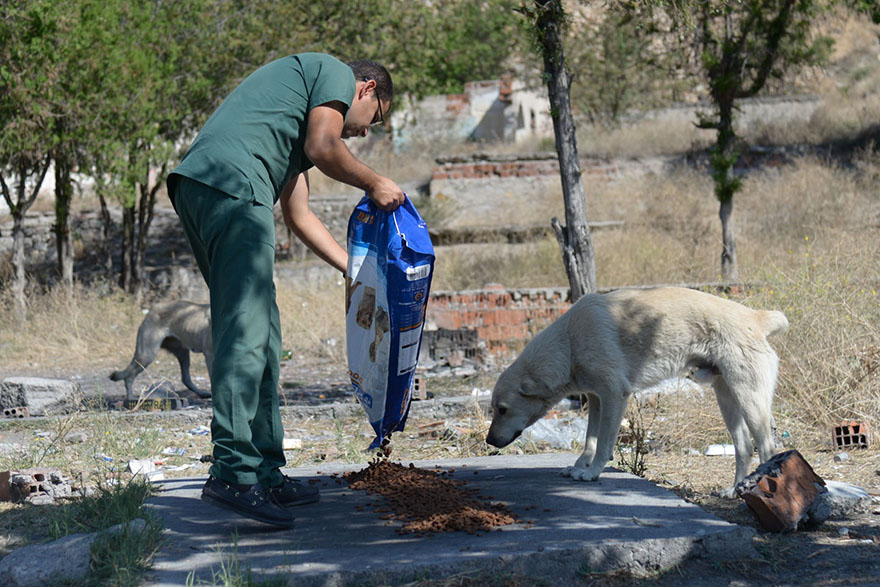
736	425
757	402
589	441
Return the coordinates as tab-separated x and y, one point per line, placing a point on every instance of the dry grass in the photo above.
67	327
313	318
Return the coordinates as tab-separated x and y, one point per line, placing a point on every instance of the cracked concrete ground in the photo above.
620	522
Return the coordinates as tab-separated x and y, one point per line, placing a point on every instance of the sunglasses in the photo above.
381	119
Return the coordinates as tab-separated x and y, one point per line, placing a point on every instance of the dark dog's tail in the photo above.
120	375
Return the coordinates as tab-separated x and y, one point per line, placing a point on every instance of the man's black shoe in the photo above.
252	503
293	492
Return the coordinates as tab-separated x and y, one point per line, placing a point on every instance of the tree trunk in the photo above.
574	238
126	270
18	208
726	186
18	275
146	203
140	251
63	239
106	238
728	252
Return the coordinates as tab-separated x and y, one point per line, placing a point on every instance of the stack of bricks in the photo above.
488	167
505	319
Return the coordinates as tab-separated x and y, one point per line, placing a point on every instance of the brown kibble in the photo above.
428	501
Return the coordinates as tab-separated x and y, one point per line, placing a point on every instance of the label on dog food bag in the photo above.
390	265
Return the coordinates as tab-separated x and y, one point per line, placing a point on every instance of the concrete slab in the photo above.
620	522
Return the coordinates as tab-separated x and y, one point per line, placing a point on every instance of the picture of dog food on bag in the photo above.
366	306
383	325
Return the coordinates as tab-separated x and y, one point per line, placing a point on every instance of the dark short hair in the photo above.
365	69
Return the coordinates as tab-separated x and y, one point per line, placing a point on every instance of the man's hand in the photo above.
386	194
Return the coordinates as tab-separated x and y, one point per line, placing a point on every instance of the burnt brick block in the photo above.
419	388
781	490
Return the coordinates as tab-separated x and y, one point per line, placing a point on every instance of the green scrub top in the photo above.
253	144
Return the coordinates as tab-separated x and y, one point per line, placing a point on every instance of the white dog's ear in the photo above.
531	388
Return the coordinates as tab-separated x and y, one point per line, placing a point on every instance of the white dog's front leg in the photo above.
579	470
610	416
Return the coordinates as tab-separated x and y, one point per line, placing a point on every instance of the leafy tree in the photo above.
29	76
869	7
74	105
549	21
158	82
429	47
616	67
741	45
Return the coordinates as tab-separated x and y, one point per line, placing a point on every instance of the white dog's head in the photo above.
518	401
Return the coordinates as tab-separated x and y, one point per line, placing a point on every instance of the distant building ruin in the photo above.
502	110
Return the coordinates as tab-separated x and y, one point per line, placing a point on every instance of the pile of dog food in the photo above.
428	501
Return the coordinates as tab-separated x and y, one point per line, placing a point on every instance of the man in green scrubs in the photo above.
255	150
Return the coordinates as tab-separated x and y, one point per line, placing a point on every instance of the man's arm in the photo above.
325	148
308	227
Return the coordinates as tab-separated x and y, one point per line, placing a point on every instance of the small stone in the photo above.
76	437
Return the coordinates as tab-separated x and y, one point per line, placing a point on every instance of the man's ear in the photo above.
367	87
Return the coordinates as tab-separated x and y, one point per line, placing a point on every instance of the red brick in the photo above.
851	434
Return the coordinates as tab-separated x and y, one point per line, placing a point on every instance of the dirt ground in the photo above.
840	552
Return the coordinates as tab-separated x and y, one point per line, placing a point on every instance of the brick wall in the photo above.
504	319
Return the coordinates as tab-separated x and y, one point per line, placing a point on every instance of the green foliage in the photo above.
30	75
869	7
429	48
617	67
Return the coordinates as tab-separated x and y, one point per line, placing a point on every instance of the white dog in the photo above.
610	346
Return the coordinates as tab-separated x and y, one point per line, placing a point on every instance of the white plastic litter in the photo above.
557	432
720	450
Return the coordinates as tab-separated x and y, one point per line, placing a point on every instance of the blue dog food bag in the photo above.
390	266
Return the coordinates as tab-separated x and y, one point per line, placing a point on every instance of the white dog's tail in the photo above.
772	322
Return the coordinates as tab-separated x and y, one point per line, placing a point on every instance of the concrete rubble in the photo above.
67	559
839	501
36	486
37	396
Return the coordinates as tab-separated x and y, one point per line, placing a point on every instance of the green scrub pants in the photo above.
233	240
